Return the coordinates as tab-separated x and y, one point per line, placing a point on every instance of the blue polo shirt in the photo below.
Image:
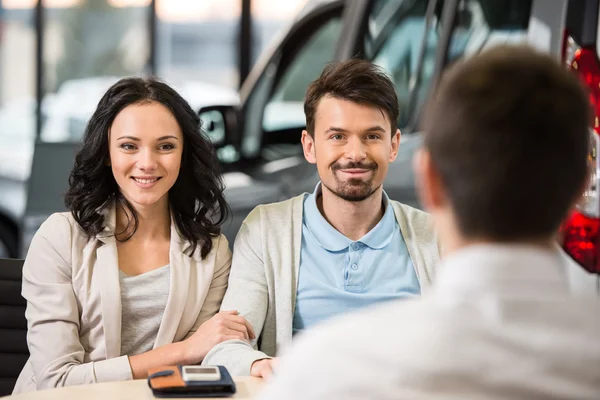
338	275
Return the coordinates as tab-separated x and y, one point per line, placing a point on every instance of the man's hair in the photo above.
355	80
507	131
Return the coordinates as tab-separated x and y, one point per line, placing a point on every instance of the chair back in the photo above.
13	325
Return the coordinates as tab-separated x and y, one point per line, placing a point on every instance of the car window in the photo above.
87	47
393	39
285	107
481	24
276	102
395	35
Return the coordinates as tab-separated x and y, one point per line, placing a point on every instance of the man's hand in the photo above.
263	368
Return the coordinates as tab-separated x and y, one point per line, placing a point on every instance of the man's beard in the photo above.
354	189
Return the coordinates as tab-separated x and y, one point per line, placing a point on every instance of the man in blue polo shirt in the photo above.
345	246
338	274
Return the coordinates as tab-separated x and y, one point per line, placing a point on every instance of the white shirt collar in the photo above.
501	267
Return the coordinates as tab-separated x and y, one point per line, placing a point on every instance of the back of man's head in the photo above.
507	132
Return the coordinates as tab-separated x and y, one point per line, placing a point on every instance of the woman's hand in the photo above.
225	325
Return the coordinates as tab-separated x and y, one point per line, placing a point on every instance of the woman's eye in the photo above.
167	146
128	146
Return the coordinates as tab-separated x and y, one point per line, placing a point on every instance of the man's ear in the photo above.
308	146
395	145
429	185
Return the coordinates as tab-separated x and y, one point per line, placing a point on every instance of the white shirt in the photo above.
499	323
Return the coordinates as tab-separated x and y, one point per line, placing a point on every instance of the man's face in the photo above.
352	147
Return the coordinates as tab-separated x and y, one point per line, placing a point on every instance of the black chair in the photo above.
13	325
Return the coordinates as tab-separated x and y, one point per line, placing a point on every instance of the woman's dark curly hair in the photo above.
196	199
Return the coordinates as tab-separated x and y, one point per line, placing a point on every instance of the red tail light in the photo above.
581	231
581	240
585	63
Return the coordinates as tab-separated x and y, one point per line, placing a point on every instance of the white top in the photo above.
143	301
499	323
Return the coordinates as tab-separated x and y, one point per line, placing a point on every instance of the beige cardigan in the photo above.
73	295
264	276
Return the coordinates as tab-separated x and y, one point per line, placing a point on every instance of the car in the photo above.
580	51
257	139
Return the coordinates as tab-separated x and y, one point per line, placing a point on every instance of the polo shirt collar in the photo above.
383	233
332	240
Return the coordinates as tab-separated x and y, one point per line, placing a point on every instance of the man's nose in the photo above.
356	150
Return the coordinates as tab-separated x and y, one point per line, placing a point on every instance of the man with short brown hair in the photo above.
346	245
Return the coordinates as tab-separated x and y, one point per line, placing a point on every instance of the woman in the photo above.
134	275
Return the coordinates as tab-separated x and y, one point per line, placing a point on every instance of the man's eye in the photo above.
337	137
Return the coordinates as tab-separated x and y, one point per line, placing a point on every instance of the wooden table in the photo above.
247	388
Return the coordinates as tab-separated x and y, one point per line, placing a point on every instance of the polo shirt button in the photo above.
355	246
354	267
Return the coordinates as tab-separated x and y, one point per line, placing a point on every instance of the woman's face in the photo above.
145	148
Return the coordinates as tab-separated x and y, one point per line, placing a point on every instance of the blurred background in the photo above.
244	65
57	57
